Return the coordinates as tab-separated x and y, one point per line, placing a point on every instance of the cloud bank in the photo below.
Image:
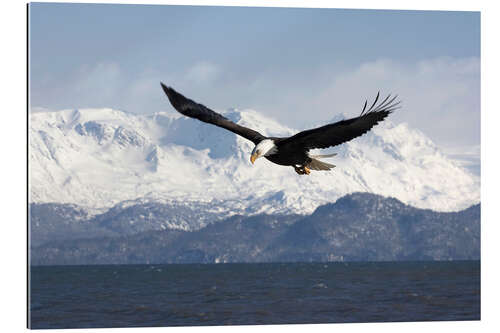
441	96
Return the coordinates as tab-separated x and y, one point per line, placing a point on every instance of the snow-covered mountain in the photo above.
97	158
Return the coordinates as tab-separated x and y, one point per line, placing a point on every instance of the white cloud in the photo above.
440	96
99	83
202	72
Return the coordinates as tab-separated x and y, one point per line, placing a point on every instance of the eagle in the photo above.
293	150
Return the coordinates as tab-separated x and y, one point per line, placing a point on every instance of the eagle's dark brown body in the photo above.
287	156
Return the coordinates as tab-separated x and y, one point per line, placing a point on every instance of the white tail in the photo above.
316	164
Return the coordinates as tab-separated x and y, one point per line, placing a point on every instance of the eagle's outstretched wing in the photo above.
194	110
344	130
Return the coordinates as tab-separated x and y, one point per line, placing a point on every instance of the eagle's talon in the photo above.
302	170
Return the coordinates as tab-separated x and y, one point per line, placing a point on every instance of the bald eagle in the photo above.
294	150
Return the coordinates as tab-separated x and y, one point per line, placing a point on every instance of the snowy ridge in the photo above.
97	158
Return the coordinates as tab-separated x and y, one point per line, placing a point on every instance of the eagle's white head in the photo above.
264	148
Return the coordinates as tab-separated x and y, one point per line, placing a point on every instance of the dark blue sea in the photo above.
250	294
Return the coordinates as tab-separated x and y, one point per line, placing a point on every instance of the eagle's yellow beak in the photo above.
253	157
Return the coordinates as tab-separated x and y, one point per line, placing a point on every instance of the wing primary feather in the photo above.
392	108
364	107
393	105
374	102
377	108
382	106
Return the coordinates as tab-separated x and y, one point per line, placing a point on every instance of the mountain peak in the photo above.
100	157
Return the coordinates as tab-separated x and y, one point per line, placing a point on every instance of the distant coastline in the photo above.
357	227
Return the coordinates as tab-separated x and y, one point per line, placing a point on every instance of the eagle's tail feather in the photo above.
318	165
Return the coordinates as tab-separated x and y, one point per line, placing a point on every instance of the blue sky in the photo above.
299	66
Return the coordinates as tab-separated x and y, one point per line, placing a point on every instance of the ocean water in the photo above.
251	294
